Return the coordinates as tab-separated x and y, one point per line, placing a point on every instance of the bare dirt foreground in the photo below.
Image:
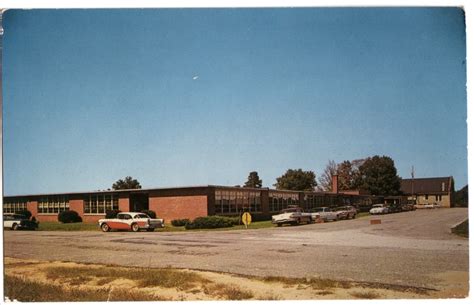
31	280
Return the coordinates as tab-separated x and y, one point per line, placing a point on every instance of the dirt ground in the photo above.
255	288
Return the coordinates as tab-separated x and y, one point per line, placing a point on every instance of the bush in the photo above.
25	213
150	213
69	217
210	222
180	222
109	214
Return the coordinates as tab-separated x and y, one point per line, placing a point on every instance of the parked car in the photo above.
424	206
408	207
378	209
18	222
130	221
291	215
325	213
394	208
346	212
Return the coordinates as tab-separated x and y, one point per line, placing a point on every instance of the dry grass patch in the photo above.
365	295
315	283
167	278
228	292
24	290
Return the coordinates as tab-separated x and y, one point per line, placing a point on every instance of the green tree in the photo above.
378	175
296	180
461	197
126	184
253	180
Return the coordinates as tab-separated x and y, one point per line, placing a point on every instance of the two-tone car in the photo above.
14	221
325	213
378	209
131	221
346	212
293	215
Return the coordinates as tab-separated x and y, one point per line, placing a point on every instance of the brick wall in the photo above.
178	207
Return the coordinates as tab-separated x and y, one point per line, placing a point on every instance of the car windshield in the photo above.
377	206
318	210
142	216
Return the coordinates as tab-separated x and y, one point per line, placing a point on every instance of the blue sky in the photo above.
179	97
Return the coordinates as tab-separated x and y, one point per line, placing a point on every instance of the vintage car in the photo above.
346	212
130	221
424	206
18	222
325	213
378	209
293	215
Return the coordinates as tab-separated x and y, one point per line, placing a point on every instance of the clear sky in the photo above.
178	97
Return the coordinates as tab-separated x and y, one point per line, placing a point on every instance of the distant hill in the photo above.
461	197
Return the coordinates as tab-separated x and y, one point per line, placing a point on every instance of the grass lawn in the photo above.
81	226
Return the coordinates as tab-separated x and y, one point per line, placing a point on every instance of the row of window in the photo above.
53	204
234	202
100	203
279	201
14	206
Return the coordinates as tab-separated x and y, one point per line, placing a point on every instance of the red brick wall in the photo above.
78	206
124	204
32	206
178	207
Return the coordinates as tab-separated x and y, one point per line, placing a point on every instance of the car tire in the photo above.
279	224
15	227
105	227
135	227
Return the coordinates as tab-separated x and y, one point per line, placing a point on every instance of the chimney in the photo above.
335	184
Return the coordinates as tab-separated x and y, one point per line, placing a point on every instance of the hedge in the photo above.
150	213
180	222
25	213
210	222
69	217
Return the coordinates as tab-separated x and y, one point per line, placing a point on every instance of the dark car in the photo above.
18	221
394	208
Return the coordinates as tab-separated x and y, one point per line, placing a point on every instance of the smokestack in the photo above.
335	184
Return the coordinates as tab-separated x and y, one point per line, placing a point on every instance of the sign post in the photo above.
246	219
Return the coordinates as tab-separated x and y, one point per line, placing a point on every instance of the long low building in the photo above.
179	202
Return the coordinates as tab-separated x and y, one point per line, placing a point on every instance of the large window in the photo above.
100	203
14	205
53	204
313	201
236	201
281	200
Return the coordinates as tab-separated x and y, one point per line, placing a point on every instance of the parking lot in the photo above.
411	248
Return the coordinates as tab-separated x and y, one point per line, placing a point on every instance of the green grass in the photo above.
363	214
84	226
462	229
24	290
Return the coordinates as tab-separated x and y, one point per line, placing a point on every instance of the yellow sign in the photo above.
246	218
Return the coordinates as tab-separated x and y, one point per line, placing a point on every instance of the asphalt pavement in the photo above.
410	248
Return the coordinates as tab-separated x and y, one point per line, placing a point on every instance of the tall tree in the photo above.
461	197
127	183
296	180
325	179
253	180
378	175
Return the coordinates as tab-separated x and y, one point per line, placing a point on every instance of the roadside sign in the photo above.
246	219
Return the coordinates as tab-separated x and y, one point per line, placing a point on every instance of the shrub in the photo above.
111	213
26	213
69	217
150	213
180	222
210	222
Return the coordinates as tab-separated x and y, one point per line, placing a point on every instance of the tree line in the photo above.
377	175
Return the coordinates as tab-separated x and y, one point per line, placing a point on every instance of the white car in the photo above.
130	221
378	209
18	221
291	215
325	213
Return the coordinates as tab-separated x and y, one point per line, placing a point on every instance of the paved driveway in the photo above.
412	248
